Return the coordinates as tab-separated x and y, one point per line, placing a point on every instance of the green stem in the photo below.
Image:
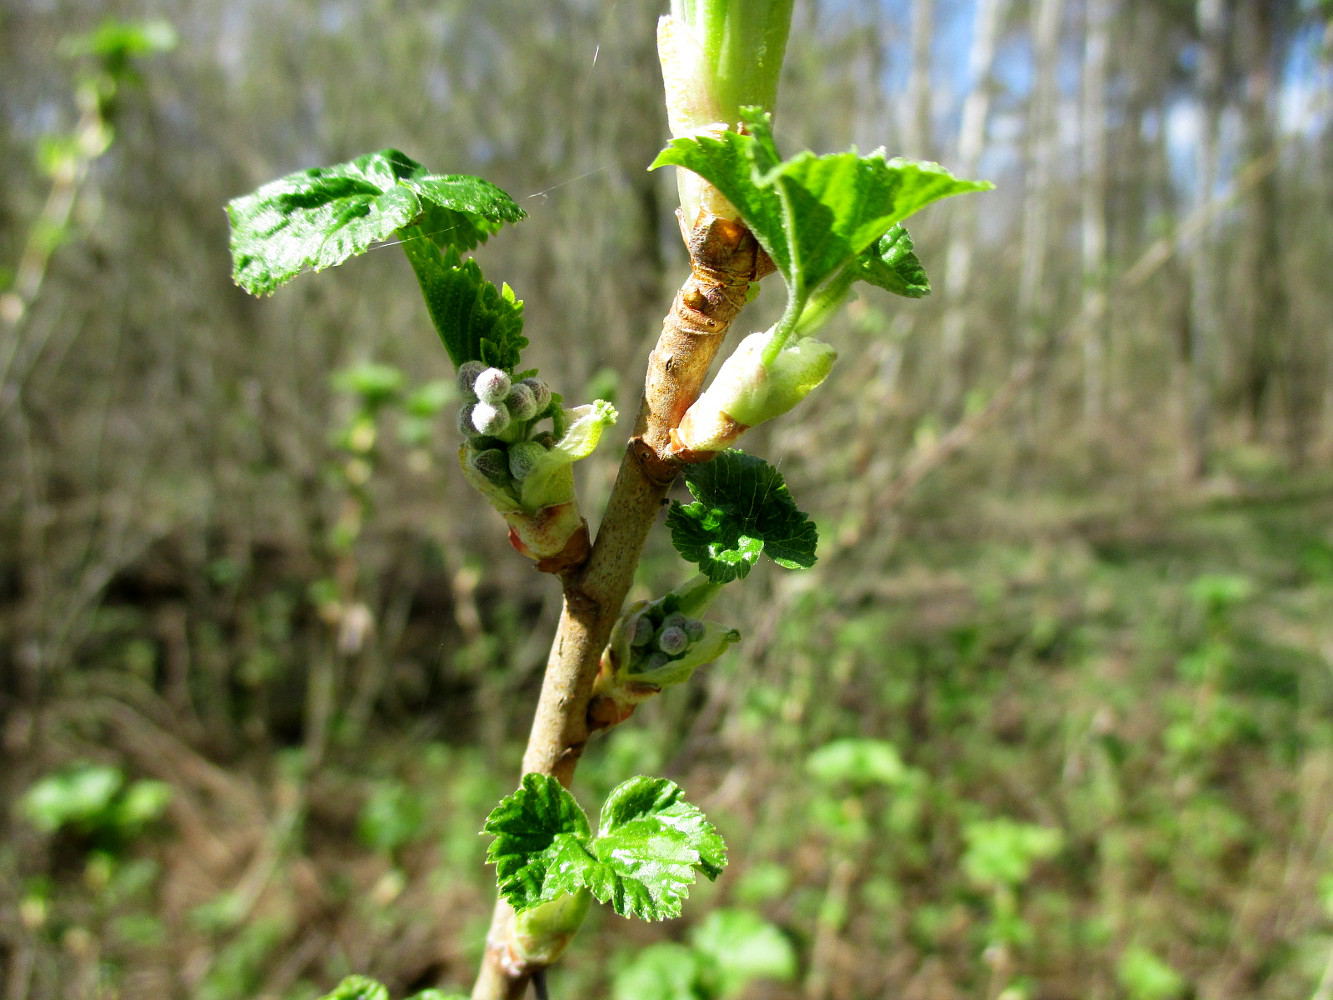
743	42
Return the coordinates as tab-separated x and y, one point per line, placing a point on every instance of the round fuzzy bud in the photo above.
467	375
540	391
655	661
643	632
694	629
674	620
521	402
492	464
523	458
489	418
491	386
465	425
672	640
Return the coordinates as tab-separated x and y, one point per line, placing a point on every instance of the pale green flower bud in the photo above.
540	391
643	632
694	629
492	386
492	464
524	457
467	375
672	640
521	402
490	418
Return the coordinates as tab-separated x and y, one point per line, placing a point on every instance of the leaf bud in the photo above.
643	631
521	402
672	640
467	375
492	464
523	458
540	391
492	386
490	418
747	390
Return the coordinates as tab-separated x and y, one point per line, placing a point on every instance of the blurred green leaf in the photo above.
117	41
80	794
392	817
1144	976
857	762
1217	593
430	398
375	384
358	988
744	947
662	971
1001	852
142	803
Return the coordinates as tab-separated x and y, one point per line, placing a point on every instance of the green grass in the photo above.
1114	766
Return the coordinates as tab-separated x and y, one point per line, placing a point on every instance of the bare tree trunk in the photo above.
1032	291
918	143
990	15
1093	205
1034	294
1202	333
1273	368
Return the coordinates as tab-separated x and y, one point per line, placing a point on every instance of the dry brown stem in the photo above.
724	260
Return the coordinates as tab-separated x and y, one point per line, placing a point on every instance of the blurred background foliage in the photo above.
1051	718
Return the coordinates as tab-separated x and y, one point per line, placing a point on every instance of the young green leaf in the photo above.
657	805
531	828
891	263
475	320
651	845
742	508
549	481
816	216
313	219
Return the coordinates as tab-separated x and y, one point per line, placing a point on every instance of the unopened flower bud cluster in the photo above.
655	643
497	419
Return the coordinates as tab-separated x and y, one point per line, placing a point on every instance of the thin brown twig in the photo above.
724	260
